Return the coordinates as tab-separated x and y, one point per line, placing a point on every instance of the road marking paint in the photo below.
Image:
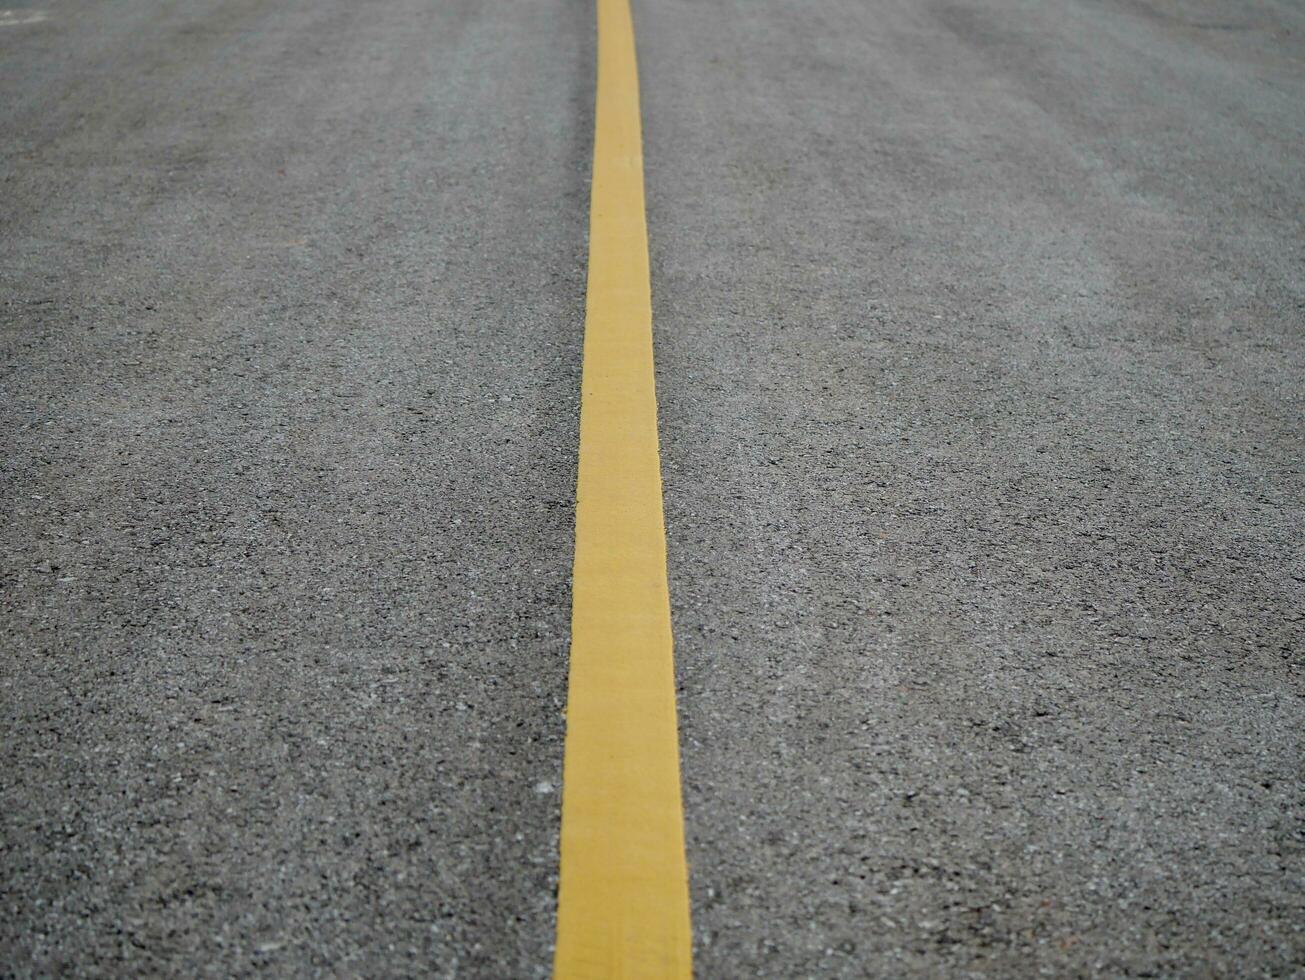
623	904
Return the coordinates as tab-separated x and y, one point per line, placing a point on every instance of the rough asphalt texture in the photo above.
292	295
981	356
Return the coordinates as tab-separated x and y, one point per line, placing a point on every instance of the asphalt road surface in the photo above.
980	337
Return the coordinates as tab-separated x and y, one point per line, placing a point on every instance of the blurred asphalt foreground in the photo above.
980	333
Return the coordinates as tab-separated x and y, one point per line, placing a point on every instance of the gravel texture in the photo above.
290	301
981	340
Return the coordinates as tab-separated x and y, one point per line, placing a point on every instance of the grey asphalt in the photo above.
981	356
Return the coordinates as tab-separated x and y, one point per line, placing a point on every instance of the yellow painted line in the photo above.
623	904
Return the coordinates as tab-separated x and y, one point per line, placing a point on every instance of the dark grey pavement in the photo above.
981	341
981	353
291	295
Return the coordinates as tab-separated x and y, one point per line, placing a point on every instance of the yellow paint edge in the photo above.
623	902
